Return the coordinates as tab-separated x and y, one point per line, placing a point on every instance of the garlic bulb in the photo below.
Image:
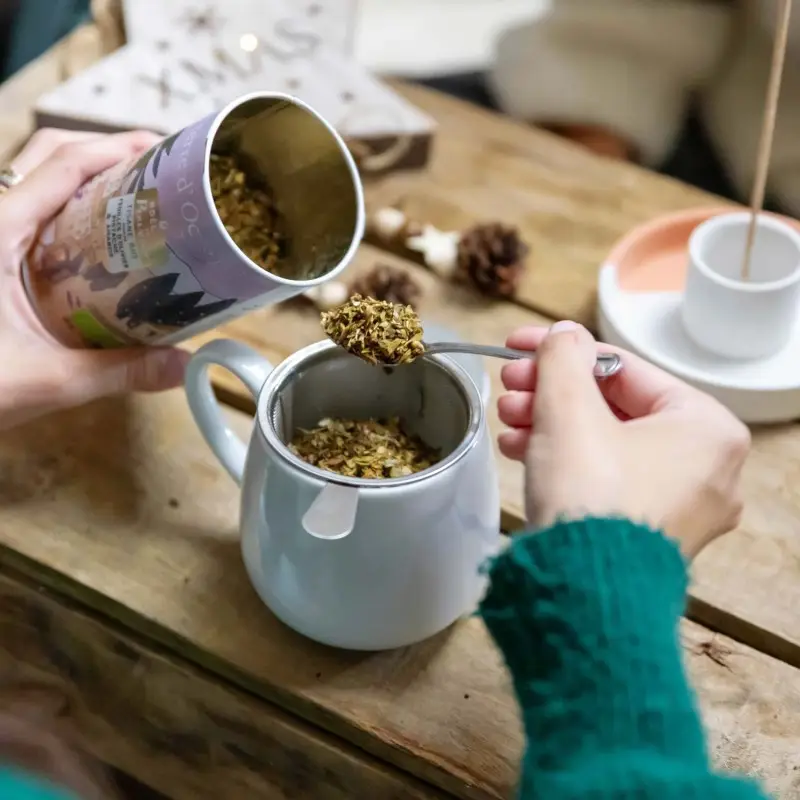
439	249
388	222
328	295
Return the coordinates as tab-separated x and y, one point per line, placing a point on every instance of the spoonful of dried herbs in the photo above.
387	334
376	330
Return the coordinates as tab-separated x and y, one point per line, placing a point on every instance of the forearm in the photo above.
587	615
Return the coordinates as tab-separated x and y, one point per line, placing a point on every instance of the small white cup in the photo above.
731	317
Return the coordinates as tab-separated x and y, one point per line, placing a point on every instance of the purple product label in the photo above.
139	256
175	168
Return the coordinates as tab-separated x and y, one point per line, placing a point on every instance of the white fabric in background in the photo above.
426	38
631	65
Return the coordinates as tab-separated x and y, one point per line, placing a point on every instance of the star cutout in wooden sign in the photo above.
188	58
293	21
203	20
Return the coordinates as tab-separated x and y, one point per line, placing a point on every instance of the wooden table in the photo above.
124	604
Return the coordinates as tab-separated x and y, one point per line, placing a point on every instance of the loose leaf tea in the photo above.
363	448
375	330
247	211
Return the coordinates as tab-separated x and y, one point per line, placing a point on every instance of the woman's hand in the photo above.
37	374
641	444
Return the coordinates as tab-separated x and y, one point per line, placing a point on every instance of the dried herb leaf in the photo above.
375	330
363	448
247	211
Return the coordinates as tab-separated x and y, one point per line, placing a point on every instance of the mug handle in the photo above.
246	364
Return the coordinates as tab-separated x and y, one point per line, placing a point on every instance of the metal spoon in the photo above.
607	364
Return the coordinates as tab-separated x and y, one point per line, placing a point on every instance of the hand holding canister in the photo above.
38	373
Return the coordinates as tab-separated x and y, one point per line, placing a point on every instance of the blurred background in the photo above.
413	38
446	44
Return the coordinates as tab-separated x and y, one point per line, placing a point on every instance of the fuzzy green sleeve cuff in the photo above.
587	616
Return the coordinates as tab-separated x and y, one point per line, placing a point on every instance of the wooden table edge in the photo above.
438	776
189	731
179	719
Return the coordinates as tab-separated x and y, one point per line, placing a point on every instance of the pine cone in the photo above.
384	282
492	258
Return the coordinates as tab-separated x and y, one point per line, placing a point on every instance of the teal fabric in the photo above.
587	617
15	785
38	25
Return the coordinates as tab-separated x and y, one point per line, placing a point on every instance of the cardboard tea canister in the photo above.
139	255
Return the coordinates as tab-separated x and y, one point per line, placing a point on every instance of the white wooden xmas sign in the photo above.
165	82
331	21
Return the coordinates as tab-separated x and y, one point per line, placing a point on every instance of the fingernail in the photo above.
564	326
567	326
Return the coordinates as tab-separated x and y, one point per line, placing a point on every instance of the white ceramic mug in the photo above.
735	318
355	563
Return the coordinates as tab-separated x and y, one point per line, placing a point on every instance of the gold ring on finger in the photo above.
8	179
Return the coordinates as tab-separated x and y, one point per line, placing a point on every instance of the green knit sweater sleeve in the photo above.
586	614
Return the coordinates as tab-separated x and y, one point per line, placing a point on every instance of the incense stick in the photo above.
767	130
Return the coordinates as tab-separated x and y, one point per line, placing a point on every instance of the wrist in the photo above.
691	535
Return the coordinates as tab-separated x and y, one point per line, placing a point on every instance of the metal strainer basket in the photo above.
433	397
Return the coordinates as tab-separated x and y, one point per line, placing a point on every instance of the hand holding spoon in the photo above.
390	334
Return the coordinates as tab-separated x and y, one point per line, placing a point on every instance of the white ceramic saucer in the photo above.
639	304
472	364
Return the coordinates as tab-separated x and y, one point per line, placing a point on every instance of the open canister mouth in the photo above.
307	168
433	397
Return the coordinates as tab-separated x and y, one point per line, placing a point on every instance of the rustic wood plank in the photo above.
186	733
142	526
570	205
750	580
749	713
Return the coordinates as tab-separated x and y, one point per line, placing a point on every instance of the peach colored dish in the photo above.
640	297
653	256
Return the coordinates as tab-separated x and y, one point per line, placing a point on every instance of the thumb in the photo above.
91	374
566	389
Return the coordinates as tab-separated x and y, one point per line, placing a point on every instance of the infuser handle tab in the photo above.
332	515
